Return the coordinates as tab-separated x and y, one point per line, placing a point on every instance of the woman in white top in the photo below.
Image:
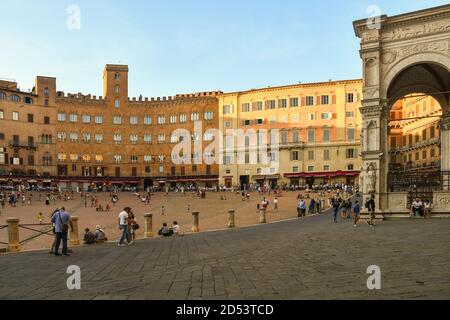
176	229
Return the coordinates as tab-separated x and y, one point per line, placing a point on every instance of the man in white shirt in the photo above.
416	207
123	225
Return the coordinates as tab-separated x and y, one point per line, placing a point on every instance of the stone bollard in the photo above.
262	215
13	234
148	225
74	239
195	222
231	223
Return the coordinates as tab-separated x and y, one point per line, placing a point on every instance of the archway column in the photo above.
445	151
375	153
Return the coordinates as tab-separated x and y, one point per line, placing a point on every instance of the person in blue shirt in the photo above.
356	213
62	222
301	208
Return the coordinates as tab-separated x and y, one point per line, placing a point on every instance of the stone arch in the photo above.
433	58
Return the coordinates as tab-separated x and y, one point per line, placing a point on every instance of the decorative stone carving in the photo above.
371	111
370	35
445	124
361	181
391	56
371	93
417	30
371	179
371	72
444	200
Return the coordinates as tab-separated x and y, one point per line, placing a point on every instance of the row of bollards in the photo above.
148	218
14	244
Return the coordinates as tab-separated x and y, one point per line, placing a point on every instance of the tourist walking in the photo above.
123	226
62	221
275	203
370	206
301	208
335	206
356	213
312	206
319	206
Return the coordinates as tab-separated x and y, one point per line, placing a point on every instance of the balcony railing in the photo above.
417	145
22	144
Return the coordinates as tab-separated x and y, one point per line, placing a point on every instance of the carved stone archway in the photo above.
401	55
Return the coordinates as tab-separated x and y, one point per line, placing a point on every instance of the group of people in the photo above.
314	206
98	236
128	225
165	231
346	207
421	208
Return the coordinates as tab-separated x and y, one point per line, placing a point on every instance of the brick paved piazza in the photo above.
299	259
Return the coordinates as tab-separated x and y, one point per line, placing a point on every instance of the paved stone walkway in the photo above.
300	259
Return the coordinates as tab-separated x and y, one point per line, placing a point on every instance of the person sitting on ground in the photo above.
416	207
176	229
165	231
89	237
100	235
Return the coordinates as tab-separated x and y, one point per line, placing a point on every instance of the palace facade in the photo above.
78	142
318	127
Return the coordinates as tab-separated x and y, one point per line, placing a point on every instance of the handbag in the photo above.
64	226
135	226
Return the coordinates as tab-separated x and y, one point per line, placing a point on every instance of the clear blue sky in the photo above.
175	46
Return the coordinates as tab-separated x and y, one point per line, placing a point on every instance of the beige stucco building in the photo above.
318	127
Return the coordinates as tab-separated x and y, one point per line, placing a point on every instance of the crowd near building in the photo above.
49	138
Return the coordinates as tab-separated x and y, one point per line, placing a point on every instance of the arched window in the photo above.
117	103
46	92
117	89
117	76
15	98
2	96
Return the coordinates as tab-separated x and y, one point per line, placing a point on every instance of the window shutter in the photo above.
303	101
6	158
318	102
333	99
21	161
